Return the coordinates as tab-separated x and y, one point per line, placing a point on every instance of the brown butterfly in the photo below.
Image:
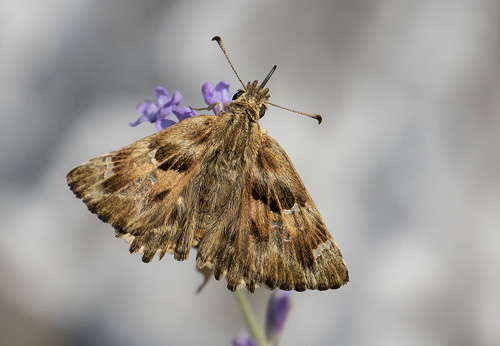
220	184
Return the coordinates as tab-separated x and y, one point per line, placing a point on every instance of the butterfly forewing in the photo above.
143	190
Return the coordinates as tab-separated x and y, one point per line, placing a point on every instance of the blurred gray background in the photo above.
405	167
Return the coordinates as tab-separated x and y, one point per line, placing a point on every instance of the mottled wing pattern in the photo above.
142	190
279	238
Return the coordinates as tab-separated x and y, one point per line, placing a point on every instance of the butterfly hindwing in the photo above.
278	237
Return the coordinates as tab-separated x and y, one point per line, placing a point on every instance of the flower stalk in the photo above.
249	318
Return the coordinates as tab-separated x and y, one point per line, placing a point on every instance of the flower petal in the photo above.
143	106
184	112
219	94
222	92
164	112
149	113
142	119
162	96
177	98
244	340
152	110
277	310
162	124
207	90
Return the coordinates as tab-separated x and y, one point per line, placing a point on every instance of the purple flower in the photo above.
159	112
244	340
219	94
277	310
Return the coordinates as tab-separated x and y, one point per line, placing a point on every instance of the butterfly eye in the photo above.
238	94
262	111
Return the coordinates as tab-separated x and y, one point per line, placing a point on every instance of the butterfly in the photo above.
220	184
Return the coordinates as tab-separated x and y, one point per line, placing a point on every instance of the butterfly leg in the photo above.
209	108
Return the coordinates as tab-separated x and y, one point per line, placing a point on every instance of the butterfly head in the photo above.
252	97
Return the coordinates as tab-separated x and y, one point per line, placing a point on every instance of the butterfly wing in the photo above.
278	238
173	190
143	189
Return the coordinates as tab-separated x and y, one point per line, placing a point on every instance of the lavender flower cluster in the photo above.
161	111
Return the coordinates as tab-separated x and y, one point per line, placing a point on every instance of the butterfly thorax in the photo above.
235	142
236	136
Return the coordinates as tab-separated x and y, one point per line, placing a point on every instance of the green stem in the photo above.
249	317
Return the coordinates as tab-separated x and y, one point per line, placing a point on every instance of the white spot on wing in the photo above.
152	178
109	167
152	153
323	246
128	238
295	208
208	265
158	253
277	224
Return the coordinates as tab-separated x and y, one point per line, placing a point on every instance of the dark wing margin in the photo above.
143	190
279	239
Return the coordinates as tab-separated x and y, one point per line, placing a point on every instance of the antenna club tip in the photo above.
216	38
318	118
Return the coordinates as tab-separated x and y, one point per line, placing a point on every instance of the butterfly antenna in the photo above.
264	82
310	115
221	45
